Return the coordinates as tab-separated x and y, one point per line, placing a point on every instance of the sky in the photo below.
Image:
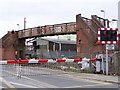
49	12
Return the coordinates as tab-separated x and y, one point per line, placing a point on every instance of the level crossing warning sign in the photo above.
108	35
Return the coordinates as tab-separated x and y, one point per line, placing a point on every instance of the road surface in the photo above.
39	77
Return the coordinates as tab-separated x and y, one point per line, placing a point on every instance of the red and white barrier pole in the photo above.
42	61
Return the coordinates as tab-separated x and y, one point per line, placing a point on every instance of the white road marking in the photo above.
41	84
23	85
37	83
7	83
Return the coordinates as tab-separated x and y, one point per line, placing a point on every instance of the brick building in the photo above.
12	46
87	30
87	34
1	50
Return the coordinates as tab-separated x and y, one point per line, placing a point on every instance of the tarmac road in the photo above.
47	78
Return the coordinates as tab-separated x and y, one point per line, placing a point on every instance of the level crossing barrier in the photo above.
35	67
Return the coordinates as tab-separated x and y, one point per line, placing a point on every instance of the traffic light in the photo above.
113	35
108	35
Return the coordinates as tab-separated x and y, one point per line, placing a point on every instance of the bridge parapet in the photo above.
102	22
48	30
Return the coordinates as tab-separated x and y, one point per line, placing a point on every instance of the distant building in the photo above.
56	44
71	37
53	46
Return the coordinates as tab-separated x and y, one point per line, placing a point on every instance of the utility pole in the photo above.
24	23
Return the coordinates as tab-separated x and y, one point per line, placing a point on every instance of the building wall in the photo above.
8	45
12	44
68	47
57	47
9	53
41	42
1	53
86	44
53	46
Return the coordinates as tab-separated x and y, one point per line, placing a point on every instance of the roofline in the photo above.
58	42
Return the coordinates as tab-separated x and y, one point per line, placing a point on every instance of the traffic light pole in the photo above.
108	36
106	60
103	64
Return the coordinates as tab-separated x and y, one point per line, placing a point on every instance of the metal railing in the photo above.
64	28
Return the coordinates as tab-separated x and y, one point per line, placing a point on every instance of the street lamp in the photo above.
114	24
24	23
103	12
18	26
114	20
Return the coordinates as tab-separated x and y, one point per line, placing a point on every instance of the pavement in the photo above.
97	77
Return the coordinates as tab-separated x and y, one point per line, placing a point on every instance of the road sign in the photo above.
110	47
108	35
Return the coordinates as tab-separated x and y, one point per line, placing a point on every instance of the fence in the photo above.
115	63
60	54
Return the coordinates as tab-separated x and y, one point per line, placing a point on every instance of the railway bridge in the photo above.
85	29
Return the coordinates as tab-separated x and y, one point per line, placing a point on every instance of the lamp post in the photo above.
114	23
24	23
103	12
18	26
115	20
